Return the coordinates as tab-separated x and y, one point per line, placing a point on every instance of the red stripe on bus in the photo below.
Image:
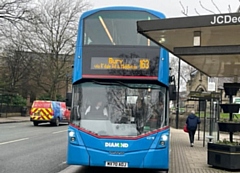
120	137
119	77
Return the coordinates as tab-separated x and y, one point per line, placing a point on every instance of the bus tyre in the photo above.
35	123
57	122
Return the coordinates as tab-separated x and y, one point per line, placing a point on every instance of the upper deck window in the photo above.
116	28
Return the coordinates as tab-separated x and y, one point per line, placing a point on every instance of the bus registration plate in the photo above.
116	164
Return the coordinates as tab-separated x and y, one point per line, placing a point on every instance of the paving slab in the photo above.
186	159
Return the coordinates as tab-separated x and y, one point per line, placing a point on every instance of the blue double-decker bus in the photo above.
120	95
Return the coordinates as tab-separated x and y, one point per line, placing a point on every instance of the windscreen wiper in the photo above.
105	83
119	83
136	87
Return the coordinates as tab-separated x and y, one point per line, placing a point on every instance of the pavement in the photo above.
186	159
14	119
183	158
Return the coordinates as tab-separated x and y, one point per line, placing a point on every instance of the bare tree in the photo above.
16	69
14	10
11	13
185	71
51	36
185	8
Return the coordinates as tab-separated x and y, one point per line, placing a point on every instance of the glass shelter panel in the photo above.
119	108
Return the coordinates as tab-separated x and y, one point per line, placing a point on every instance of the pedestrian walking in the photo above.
192	123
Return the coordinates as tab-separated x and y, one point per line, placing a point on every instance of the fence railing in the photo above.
10	109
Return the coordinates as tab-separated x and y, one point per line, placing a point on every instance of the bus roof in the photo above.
130	8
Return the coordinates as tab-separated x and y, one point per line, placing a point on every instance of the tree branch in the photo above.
205	8
184	11
215	6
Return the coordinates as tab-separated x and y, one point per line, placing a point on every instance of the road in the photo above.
25	148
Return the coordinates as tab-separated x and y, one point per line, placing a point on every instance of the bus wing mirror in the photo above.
69	99
172	92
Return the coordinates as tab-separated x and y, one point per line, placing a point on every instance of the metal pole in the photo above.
204	126
219	110
211	118
66	85
177	110
199	112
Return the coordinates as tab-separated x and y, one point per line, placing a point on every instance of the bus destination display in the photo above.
113	63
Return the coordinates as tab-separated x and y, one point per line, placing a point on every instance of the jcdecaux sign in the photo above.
225	19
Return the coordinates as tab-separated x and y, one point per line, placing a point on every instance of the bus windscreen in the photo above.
116	28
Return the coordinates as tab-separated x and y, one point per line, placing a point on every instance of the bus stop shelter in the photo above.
210	43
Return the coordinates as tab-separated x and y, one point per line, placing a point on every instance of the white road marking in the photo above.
8	126
63	163
59	131
73	169
17	140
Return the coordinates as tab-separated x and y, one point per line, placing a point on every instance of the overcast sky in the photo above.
173	8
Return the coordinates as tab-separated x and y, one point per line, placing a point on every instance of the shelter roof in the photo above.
196	95
210	43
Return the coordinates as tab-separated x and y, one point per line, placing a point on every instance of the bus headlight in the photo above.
164	137
163	140
71	135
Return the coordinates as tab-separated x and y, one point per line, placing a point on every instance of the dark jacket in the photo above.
192	121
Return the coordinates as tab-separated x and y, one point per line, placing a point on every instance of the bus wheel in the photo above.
35	123
57	122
